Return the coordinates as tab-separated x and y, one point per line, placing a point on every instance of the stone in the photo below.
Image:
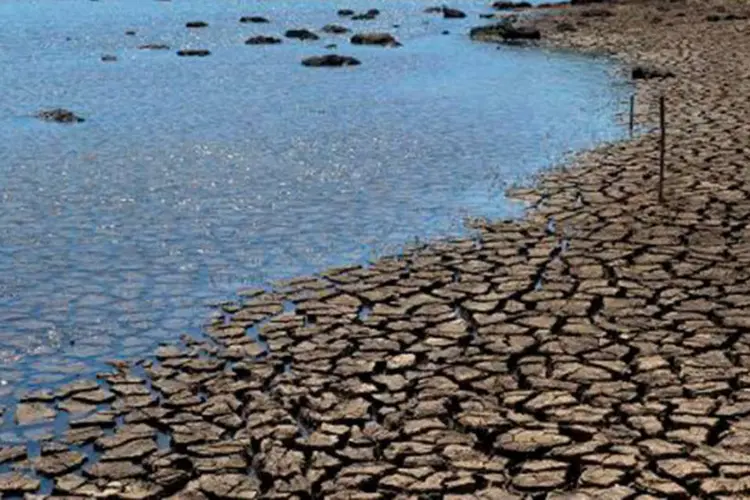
253	19
382	39
301	34
59	115
193	53
330	60
262	40
503	32
31	413
13	482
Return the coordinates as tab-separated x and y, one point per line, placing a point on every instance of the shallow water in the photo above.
193	177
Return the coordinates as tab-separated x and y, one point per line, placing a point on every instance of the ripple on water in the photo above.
118	231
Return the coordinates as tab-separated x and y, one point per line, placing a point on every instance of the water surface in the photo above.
194	177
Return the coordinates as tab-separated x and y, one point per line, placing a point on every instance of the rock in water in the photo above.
154	46
510	5
382	39
335	29
262	40
301	34
193	53
109	58
504	31
449	13
648	72
433	10
367	16
59	115
345	12
196	24
330	60
253	19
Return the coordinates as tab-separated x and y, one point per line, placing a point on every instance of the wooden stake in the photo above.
662	143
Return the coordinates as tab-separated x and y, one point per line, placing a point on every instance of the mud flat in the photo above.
597	348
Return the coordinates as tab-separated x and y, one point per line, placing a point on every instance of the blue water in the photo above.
193	177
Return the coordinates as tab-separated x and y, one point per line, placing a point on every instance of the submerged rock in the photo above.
154	46
433	10
345	12
59	115
335	29
649	72
262	40
367	16
449	13
253	19
510	5
109	58
330	60
504	31
193	53
196	24
301	34
382	39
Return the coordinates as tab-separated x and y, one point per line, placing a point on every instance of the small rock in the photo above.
130	33
382	39
193	53
504	31
345	12
647	73
330	60
253	19
301	34
449	13
154	46
196	24
59	115
29	413
16	483
433	10
109	58
566	27
262	40
335	29
510	5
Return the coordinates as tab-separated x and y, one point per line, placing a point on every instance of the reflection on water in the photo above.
192	177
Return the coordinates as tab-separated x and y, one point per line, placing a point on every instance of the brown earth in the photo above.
607	358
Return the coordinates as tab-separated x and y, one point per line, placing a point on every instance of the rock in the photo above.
510	5
586	2
58	464
253	19
335	29
330	60
193	53
109	58
449	13
301	34
29	413
59	115
648	72
196	24
553	5
433	10
262	40
331	46
382	39
367	16
446	32
154	46
12	454
345	12
130	33
16	483
504	31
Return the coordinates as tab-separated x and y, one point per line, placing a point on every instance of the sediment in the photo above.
597	348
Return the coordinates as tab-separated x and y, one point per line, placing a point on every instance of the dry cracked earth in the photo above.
599	348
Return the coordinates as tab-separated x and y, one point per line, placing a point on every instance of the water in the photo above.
193	177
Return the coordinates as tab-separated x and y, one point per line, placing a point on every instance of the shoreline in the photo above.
603	357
